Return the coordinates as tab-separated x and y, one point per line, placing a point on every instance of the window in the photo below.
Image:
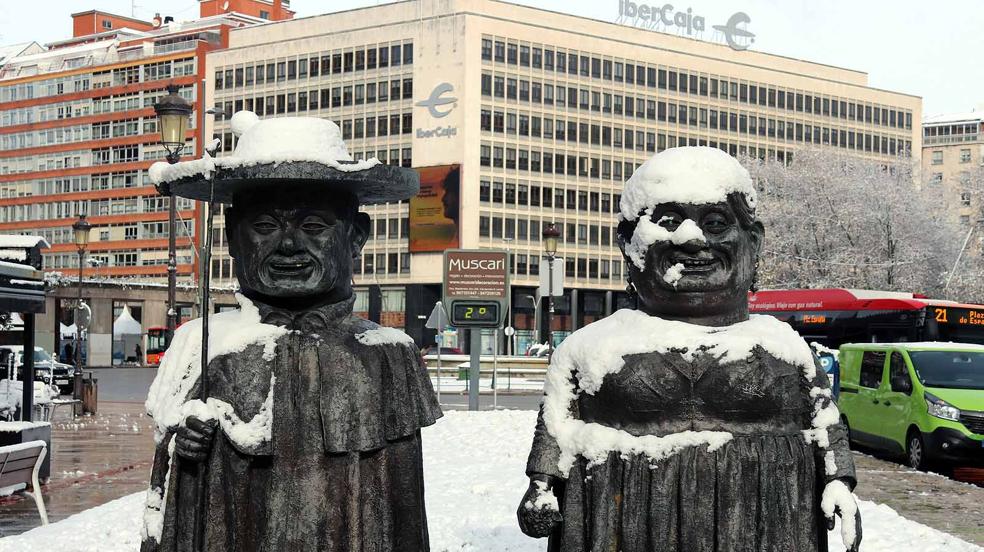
899	375
965	156
872	368
965	199
937	157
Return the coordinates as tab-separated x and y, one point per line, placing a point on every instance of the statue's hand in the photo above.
838	499
539	513
193	441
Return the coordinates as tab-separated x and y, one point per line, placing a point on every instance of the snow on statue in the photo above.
688	425
309	438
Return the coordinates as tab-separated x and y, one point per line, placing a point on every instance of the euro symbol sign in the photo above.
438	100
732	32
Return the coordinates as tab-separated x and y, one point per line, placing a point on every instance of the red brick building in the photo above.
78	132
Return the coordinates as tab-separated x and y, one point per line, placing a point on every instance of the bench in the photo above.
19	464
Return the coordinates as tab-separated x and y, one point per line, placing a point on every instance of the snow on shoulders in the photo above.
229	332
384	335
599	349
692	175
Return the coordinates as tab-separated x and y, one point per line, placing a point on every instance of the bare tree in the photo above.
966	279
835	220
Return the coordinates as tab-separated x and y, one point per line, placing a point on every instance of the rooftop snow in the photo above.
18	240
692	175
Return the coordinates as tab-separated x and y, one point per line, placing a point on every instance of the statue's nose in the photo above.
693	246
288	241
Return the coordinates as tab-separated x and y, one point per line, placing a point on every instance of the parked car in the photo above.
47	369
432	350
921	400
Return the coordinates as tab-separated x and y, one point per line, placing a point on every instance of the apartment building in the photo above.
953	156
78	131
547	114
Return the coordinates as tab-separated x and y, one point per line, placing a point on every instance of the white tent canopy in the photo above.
126	324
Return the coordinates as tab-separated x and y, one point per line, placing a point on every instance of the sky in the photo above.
926	49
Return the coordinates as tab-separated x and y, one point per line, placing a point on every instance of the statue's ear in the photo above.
623	233
231	223
758	233
359	232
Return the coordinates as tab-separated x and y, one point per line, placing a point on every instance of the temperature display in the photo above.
467	313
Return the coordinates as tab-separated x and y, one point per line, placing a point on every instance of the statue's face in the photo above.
291	245
717	273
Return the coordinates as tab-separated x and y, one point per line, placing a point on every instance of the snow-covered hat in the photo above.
693	175
278	154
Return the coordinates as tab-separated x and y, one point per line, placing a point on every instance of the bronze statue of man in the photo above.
309	438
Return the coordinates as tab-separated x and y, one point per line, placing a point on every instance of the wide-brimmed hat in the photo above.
282	154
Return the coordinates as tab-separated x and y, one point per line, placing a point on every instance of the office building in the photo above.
953	155
547	114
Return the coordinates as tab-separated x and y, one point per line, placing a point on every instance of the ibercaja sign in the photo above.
476	287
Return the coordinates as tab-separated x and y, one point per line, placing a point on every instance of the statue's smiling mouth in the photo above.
695	265
290	266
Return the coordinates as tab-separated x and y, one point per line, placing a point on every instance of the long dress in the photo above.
343	470
759	492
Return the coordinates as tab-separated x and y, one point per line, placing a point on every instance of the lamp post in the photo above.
551	235
81	230
173	113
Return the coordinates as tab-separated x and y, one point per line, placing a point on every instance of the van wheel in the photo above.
916	451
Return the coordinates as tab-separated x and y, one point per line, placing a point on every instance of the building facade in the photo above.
547	114
78	132
953	161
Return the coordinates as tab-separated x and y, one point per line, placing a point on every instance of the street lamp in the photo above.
81	230
551	235
173	113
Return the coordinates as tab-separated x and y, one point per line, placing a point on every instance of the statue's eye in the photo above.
715	223
316	225
265	226
671	221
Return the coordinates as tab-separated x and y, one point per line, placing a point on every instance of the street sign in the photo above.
558	277
83	316
438	319
476	287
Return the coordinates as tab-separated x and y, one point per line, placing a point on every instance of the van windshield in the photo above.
950	369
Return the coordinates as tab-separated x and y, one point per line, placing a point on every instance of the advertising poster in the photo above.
435	211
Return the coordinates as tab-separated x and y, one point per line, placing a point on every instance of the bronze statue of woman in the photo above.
688	425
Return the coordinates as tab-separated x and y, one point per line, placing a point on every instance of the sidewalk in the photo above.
94	459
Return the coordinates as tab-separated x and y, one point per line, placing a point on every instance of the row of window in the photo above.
55	210
585	132
536	195
119	76
88	106
641	107
521	230
547	162
382	263
965	156
77	183
303	67
121	259
674	80
85	158
78	133
314	99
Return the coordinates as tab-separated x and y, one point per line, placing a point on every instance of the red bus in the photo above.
835	316
155	344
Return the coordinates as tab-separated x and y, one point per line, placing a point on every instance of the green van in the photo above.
923	400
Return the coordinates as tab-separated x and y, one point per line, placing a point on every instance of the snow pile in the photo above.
229	332
13	254
471	505
837	497
20	241
282	140
544	499
692	175
382	336
597	350
11	392
648	232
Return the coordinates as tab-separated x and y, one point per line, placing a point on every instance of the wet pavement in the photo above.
94	459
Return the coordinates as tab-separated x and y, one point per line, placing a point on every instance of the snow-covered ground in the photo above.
474	469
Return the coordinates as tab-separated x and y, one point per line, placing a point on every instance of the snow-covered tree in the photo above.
835	220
